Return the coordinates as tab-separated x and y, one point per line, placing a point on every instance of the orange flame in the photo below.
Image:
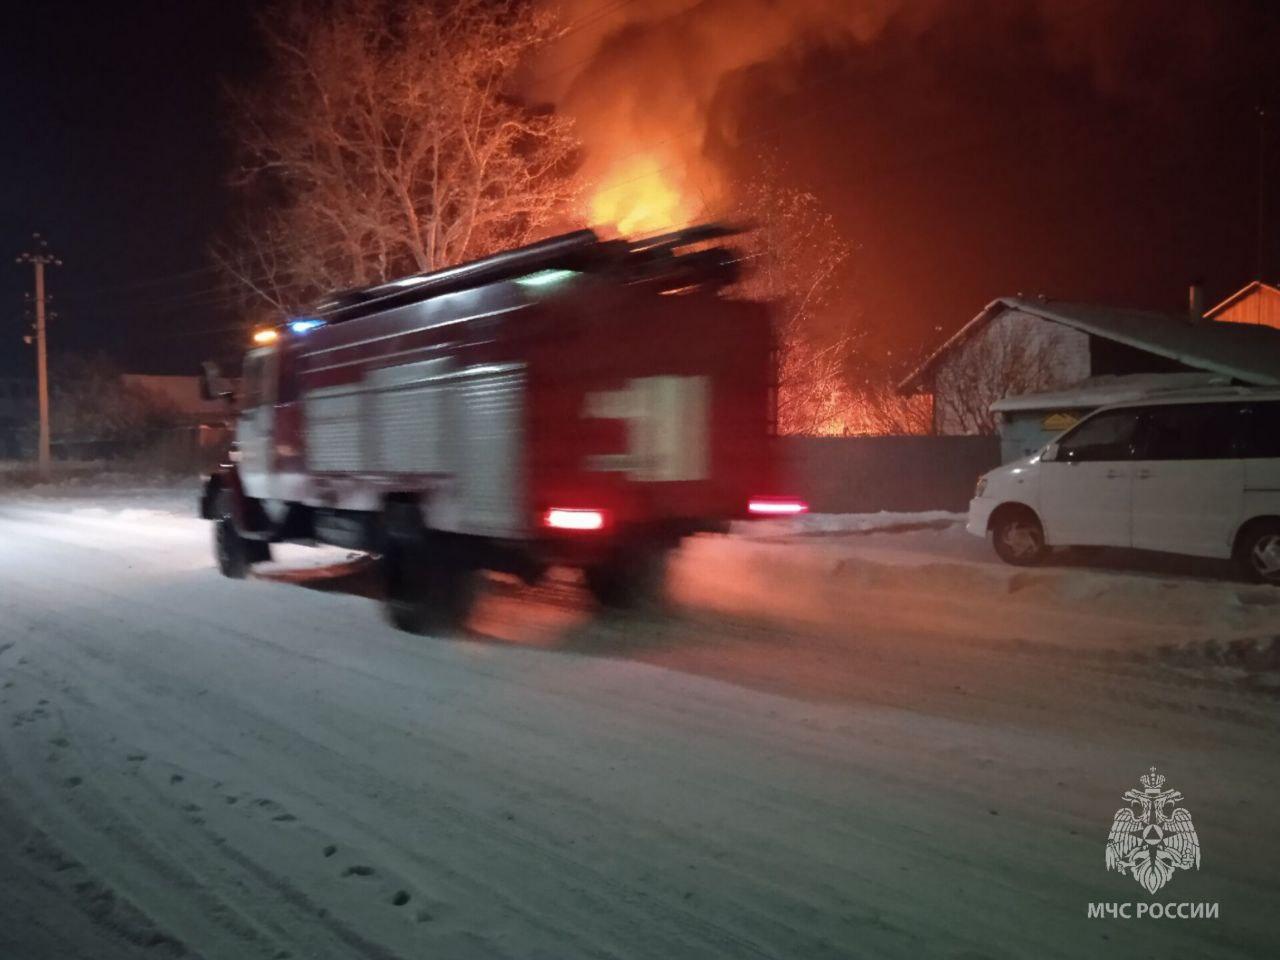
638	197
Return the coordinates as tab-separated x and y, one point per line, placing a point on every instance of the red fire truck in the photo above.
578	402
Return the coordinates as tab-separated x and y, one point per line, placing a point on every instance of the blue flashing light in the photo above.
305	325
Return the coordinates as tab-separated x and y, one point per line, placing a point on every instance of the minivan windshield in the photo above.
1105	436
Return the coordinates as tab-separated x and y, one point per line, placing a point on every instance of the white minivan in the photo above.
1189	473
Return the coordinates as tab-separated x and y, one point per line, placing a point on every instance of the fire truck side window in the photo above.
251	381
286	376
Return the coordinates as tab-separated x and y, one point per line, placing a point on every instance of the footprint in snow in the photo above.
281	815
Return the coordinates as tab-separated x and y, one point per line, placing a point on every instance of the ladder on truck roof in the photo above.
652	258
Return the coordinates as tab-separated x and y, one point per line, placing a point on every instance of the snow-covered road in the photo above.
191	766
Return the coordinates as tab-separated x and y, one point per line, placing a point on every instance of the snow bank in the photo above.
825	523
106	489
881	588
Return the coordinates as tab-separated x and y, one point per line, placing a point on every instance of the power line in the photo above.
590	17
1262	193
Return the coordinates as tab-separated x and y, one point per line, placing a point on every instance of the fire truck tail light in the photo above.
772	507
563	518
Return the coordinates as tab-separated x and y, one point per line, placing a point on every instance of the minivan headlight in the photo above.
981	488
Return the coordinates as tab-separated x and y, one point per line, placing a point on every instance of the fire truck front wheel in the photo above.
235	553
429	588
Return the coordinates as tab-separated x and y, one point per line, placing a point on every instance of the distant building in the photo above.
1258	303
201	428
1018	346
18	413
180	396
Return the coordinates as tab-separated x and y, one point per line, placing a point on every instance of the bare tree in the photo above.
1008	357
795	252
92	404
384	140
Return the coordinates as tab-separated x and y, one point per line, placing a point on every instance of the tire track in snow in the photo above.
623	704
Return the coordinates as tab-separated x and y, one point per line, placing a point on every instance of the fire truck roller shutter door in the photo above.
334	435
408	417
488	439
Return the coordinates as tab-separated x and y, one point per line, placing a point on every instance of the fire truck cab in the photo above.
576	402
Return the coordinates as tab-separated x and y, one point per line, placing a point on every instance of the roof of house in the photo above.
1241	351
1245	291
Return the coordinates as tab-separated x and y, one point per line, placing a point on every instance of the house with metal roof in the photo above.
1018	345
1256	303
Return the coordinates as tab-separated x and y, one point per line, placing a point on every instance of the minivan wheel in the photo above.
1258	552
1018	538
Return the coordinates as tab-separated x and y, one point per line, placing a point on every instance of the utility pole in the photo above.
40	257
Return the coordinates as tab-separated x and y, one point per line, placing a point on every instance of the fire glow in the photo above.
638	197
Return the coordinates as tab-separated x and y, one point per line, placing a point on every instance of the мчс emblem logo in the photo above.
1151	838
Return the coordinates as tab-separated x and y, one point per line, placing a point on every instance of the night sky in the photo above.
1106	153
1112	158
115	151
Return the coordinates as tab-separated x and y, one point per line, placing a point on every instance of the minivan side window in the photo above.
1191	431
1106	436
1261	436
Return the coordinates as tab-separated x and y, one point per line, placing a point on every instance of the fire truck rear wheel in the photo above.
428	588
634	579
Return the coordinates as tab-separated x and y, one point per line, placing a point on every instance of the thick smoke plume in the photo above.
655	84
642	81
